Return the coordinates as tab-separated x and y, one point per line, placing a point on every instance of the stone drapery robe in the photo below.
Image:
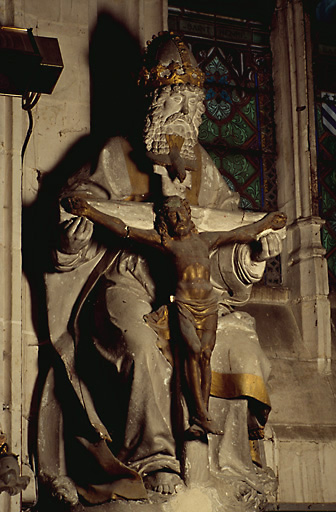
114	393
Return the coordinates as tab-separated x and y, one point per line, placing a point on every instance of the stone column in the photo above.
11	127
304	265
10	283
59	120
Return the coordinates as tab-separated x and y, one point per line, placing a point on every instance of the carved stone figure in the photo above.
110	422
195	303
10	479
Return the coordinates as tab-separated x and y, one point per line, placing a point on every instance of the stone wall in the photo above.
302	435
59	119
301	441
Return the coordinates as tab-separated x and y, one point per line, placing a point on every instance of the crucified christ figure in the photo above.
193	294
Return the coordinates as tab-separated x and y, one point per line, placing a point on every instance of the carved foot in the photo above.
163	482
202	426
62	489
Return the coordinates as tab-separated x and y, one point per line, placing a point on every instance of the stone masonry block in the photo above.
48	9
303	459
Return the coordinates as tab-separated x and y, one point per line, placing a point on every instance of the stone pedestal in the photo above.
205	490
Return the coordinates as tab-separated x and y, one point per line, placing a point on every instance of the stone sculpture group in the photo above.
113	424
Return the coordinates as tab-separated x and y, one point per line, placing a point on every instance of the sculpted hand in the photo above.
76	205
268	247
75	234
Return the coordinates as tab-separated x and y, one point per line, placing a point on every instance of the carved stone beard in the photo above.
156	129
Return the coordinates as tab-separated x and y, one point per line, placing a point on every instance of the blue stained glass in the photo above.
210	94
210	79
225	96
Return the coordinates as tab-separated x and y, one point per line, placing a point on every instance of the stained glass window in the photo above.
238	127
327	184
324	61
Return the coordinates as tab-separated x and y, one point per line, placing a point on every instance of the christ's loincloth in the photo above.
199	312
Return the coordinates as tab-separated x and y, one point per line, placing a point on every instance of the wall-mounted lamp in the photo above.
29	65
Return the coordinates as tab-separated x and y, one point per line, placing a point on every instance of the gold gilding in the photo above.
3	445
255	453
174	140
239	384
175	72
172	74
194	272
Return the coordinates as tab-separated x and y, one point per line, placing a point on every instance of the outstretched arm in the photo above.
78	206
246	234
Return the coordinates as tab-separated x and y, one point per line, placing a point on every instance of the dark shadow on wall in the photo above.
115	61
116	109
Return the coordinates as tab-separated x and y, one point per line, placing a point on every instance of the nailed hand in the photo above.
76	205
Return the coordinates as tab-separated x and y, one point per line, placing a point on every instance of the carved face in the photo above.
175	110
178	221
178	111
9	471
10	481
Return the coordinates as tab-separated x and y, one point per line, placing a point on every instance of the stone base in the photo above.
218	473
227	490
217	495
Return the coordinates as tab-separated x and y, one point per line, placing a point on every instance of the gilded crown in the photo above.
168	61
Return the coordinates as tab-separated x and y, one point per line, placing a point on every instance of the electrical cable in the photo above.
29	100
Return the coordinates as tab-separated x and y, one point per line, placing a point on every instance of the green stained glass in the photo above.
236	98
238	167
332	263
216	66
250	111
238	124
332	223
219	109
229	183
254	190
328	241
330	144
245	204
208	131
319	124
237	132
330	181
326	143
328	202
215	159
